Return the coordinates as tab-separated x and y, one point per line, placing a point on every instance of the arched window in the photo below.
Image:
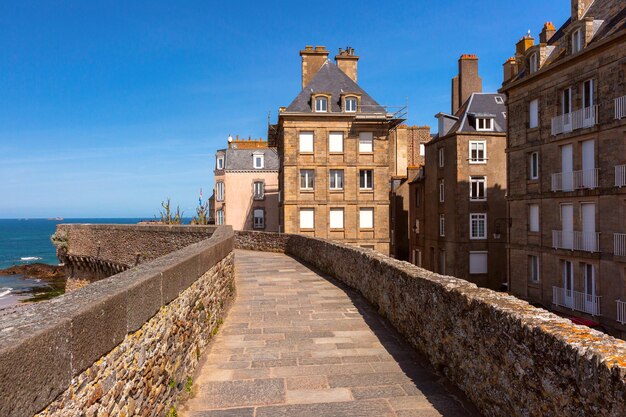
351	104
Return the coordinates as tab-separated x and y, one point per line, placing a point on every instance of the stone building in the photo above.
566	165
246	185
334	149
457	204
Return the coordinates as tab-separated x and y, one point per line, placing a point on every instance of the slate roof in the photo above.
330	79
241	159
480	105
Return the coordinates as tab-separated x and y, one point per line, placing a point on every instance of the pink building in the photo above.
246	185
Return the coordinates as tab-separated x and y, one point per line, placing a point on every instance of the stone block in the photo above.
143	298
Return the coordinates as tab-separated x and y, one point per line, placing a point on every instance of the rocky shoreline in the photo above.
36	270
52	275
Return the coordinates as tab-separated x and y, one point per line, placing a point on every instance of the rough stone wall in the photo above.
261	241
510	358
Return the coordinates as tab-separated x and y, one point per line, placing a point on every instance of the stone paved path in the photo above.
295	344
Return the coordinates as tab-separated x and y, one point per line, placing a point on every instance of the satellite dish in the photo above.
230	138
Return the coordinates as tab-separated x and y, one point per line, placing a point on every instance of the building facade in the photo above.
566	165
246	186
333	145
457	200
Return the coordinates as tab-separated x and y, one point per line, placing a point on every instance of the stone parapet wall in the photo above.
124	345
510	358
261	241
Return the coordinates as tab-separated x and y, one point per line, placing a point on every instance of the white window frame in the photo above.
483	270
351	104
219	164
422	149
366	179
309	214
336	218
533	114
499	100
534	219
534	268
441	157
335	142
366	142
478	160
258	221
534	165
442	191
220	191
366	221
484	124
589	95
577	41
219	217
306	142
479	218
336	176
567	107
309	175
321	104
478	179
258	190
258	161
533	63
442	225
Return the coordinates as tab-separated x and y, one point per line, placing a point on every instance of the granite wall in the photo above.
125	345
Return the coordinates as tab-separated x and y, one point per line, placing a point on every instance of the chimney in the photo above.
547	33
467	82
579	7
510	69
523	44
347	62
312	60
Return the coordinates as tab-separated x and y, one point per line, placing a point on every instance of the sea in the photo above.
24	241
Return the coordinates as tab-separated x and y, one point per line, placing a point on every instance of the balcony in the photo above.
579	301
619	244
621	311
620	107
576	180
575	120
620	175
583	241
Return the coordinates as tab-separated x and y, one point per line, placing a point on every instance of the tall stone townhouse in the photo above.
457	208
334	150
567	165
246	185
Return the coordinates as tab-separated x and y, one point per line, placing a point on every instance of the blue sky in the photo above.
107	107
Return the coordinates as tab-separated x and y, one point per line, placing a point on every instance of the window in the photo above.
533	63
336	218
534	165
259	190
366	142
441	157
259	218
478	226
417	226
306	142
483	124
220	217
417	257
307	218
422	149
499	100
417	197
219	191
335	142
366	179
478	188
533	268
577	41
321	104
442	261
533	111
366	218
533	217
441	191
588	94
442	225
477	152
220	162
478	262
307	179
336	179
566	102
259	161
351	104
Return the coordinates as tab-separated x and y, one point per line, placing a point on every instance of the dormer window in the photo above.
533	63
220	162
351	104
484	124
577	41
321	104
259	162
499	100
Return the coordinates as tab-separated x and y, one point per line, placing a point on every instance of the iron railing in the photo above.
584	241
579	119
620	107
579	301
575	180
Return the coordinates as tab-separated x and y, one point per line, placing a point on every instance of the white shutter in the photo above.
366	218
534	113
533	217
336	218
306	142
366	142
307	218
478	262
335	142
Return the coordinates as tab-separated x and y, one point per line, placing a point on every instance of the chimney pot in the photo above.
347	62
547	32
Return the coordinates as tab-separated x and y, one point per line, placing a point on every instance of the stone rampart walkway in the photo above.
295	344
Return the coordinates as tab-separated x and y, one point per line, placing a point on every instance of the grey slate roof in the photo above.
330	79
241	159
481	105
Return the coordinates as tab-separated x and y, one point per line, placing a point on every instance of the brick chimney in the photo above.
523	44
467	82
347	62
510	69
579	7
312	60
547	33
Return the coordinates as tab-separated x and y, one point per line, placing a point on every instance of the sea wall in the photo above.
510	358
125	345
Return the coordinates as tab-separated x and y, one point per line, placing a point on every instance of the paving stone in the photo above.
242	393
385	391
318	396
307	382
369	408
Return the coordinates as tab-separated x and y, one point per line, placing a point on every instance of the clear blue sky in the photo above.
108	107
